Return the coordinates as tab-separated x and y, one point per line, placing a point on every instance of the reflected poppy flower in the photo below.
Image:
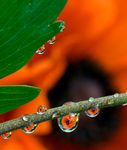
68	121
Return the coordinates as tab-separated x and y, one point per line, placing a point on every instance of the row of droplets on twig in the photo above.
67	123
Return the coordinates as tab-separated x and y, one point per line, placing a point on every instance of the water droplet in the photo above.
52	41
55	115
93	112
41	50
62	26
6	136
41	109
29	129
69	122
91	99
25	118
124	104
68	103
116	95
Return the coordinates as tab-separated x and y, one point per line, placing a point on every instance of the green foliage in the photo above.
12	97
25	25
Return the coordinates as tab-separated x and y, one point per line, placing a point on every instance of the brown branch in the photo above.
102	102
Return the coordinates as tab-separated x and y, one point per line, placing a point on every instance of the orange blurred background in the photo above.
88	59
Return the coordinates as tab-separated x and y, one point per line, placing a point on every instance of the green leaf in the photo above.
12	97
25	25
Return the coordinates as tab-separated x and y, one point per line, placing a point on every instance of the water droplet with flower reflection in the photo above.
7	135
93	112
41	109
29	129
41	50
69	122
52	40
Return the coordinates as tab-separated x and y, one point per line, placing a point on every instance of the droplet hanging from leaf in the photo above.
62	26
41	50
52	40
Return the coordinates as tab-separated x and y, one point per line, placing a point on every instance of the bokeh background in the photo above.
88	59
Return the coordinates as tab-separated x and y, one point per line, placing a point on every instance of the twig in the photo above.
102	102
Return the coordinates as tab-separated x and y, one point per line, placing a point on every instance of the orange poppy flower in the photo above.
96	30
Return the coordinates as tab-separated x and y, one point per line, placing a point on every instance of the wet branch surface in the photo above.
102	102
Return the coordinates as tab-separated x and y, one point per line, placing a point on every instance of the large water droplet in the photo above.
93	112
6	136
41	109
69	122
41	50
29	129
52	40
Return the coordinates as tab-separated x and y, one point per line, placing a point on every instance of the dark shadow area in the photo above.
80	81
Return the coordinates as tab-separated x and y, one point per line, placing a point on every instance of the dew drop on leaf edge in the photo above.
52	40
62	26
41	50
